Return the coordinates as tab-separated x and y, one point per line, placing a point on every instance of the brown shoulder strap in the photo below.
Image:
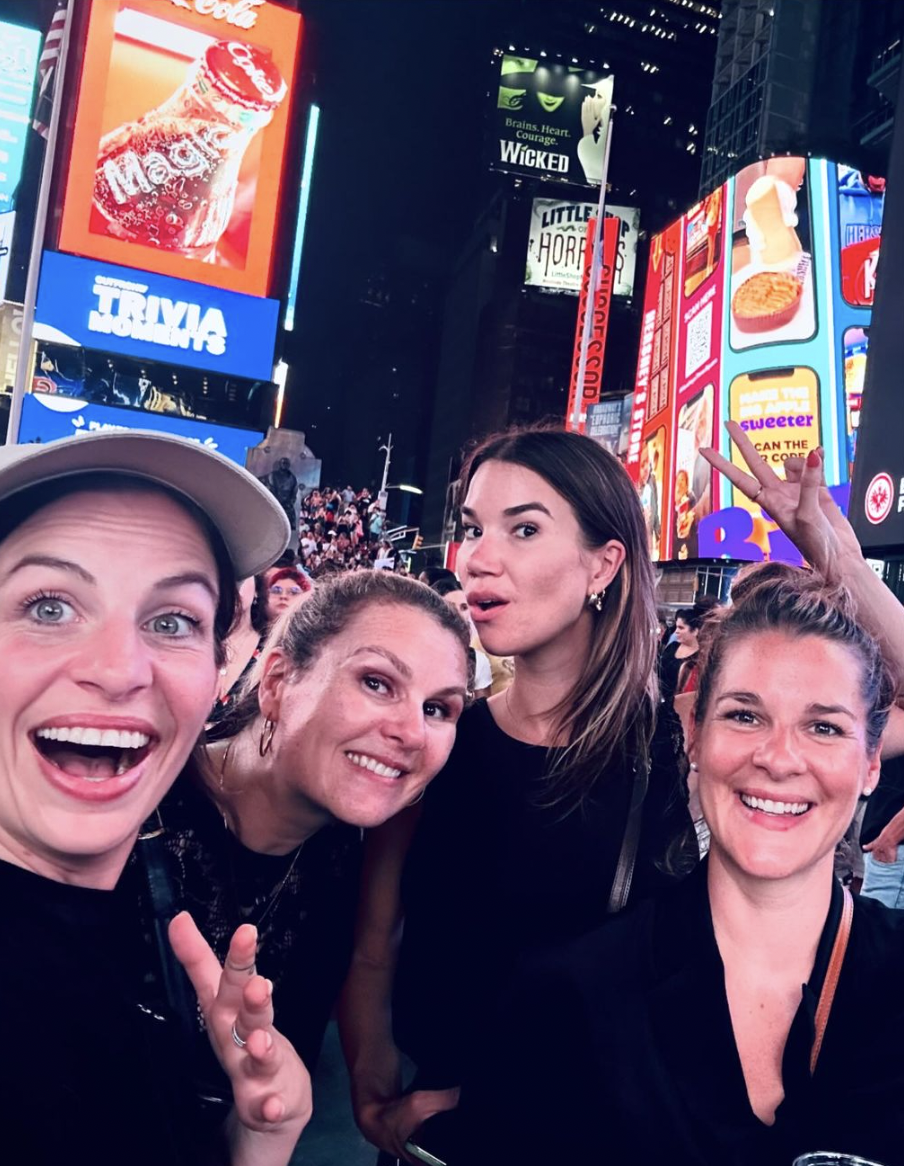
827	995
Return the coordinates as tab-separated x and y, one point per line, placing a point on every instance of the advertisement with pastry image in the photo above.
772	292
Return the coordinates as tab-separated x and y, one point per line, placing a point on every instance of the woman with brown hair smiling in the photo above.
558	804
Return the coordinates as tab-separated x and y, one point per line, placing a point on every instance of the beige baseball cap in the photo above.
252	524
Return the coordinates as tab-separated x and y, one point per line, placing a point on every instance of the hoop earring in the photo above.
419	798
595	599
265	743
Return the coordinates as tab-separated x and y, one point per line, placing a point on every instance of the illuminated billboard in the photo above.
152	317
551	120
757	310
47	417
180	138
555	249
18	68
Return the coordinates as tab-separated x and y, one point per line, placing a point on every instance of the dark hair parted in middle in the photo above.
610	711
780	598
303	631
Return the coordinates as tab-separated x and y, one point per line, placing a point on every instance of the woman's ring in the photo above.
237	1040
757	494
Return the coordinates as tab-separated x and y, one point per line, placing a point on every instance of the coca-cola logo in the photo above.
243	56
239	13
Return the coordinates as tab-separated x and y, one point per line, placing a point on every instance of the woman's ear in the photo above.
272	684
606	562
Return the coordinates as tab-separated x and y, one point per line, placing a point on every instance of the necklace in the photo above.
277	892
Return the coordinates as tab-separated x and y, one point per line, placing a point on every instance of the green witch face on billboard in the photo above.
551	120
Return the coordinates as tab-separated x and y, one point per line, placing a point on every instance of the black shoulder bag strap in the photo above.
624	871
154	862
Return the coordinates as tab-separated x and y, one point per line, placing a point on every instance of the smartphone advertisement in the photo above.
776	271
180	139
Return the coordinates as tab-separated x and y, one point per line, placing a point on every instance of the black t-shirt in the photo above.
492	875
620	1048
305	939
86	1074
886	800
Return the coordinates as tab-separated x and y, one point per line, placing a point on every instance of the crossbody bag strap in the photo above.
154	862
624	870
830	983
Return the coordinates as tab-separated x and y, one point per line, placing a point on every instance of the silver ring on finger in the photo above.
236	1039
757	494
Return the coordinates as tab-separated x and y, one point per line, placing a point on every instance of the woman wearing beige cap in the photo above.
118	559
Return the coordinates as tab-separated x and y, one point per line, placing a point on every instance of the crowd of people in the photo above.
235	798
342	530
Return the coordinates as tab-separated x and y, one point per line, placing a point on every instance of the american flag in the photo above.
47	70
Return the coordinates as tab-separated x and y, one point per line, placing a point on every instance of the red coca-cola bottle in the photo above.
169	180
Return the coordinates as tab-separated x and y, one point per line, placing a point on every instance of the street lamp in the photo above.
408	489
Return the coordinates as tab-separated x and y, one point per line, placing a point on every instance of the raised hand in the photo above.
800	503
270	1085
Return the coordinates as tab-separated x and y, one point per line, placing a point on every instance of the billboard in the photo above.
152	317
49	417
555	249
599	325
551	120
180	138
757	310
19	49
608	422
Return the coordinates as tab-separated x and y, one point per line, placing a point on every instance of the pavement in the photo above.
332	1138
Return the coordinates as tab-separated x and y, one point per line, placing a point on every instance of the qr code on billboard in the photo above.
699	340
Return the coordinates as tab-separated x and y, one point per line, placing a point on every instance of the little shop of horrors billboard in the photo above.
757	309
550	120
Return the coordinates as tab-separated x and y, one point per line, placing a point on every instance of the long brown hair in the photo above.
610	711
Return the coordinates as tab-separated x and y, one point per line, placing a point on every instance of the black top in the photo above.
85	1074
669	667
620	1048
490	876
306	936
886	801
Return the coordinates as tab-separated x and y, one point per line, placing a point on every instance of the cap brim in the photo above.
253	525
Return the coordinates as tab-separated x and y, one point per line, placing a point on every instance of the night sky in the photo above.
402	87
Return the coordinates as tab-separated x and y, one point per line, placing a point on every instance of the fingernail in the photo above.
813	458
269	1041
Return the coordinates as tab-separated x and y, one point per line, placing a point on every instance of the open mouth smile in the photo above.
775	808
85	753
374	766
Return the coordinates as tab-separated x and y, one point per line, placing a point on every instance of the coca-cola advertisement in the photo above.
180	138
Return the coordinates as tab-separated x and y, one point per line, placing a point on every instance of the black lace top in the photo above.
304	909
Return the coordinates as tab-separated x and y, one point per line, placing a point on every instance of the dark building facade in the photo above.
506	350
803	76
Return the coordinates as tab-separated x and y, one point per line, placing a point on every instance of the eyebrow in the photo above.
393	659
512	511
740	697
401	666
56	564
188	579
814	707
52	562
822	709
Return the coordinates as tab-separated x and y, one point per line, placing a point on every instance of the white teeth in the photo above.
374	766
111	738
768	806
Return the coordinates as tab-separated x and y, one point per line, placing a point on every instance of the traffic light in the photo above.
418	542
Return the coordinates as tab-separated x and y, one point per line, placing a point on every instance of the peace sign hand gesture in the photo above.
271	1087
800	504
